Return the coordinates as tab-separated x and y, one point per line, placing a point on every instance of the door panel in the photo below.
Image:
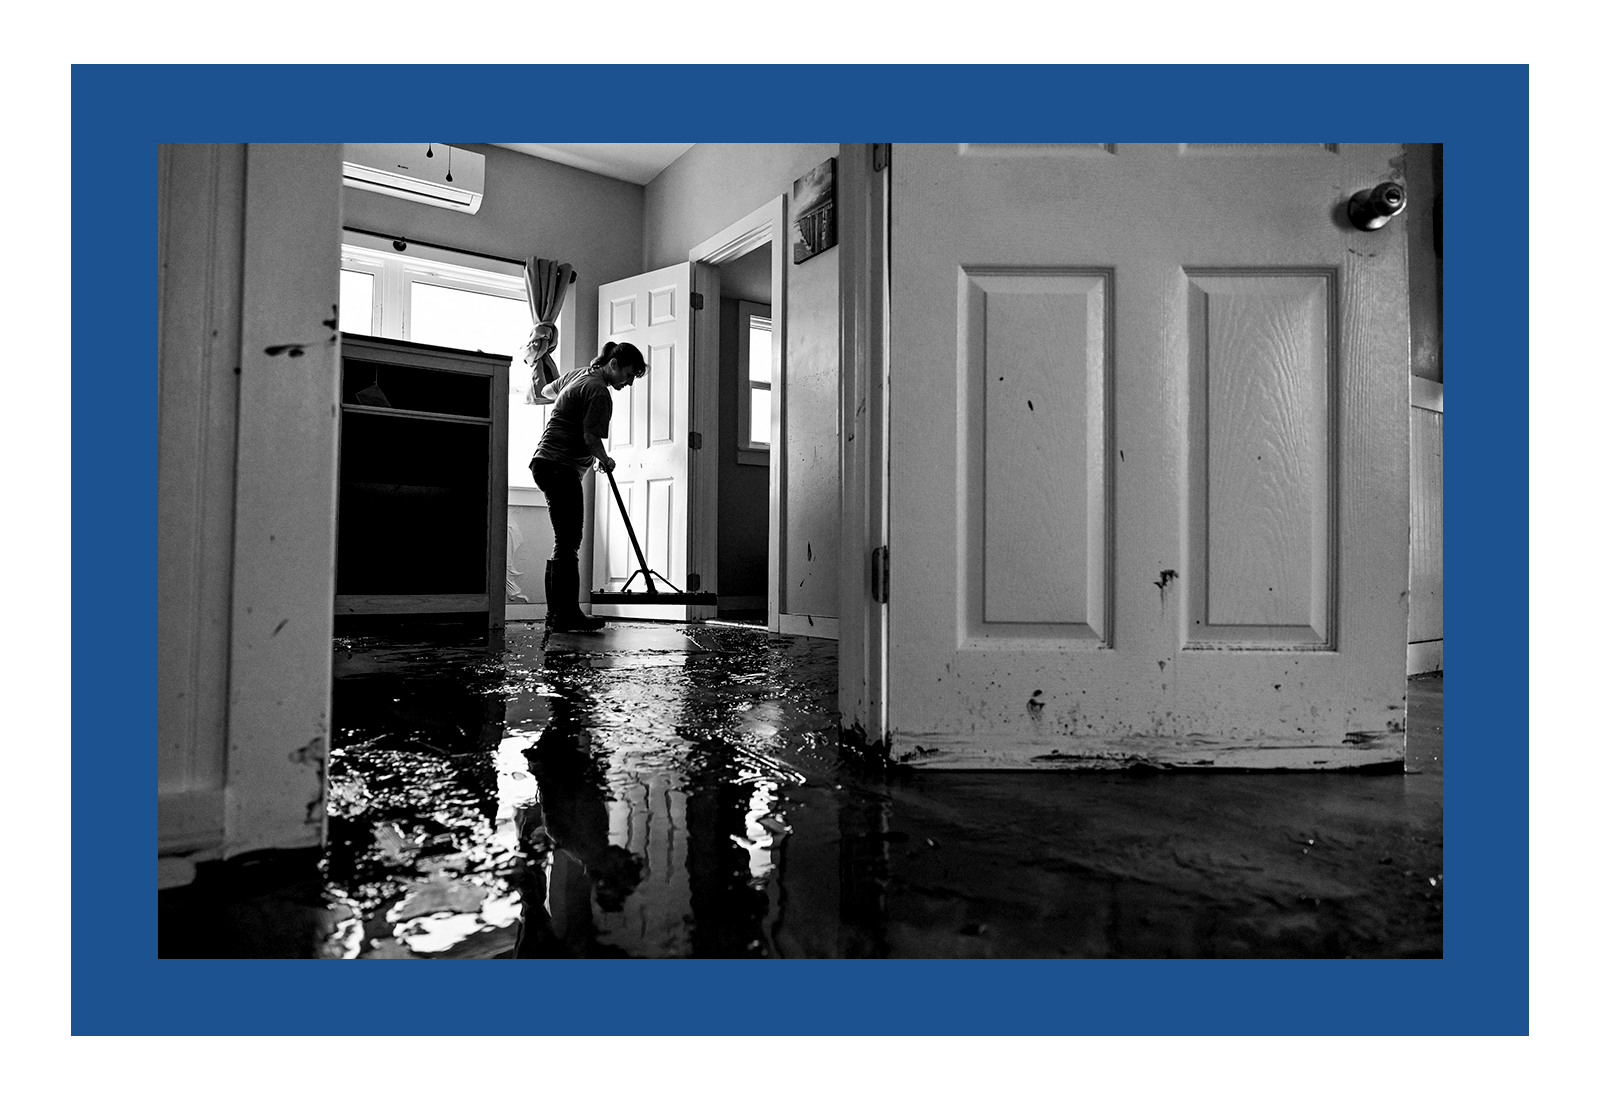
1148	457
616	553
1261	362
1034	375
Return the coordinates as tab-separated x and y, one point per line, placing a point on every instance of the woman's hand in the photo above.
606	463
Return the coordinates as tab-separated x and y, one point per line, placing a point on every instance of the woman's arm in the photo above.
597	447
551	390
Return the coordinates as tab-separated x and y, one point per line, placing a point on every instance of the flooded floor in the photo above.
658	790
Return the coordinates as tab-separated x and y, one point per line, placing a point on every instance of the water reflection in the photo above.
588	802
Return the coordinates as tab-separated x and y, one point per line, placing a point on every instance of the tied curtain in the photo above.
547	283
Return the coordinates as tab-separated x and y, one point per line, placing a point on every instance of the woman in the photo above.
573	439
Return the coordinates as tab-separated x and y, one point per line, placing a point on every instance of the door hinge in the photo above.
880	574
694	582
697	300
694	441
880	156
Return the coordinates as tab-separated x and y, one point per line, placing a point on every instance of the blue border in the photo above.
119	113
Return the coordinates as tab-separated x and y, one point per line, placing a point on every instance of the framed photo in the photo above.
814	229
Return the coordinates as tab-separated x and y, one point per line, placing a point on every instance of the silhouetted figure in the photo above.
573	442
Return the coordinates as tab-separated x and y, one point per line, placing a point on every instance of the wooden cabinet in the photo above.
422	481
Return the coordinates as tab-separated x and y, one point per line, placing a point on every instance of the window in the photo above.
755	382
422	296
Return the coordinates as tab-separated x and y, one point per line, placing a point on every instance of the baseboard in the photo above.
525	612
189	821
809	626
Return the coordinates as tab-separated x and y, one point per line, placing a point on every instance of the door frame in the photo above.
862	194
760	226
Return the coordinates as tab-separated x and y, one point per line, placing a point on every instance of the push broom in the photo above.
652	594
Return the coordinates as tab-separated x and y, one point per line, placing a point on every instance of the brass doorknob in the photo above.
1371	209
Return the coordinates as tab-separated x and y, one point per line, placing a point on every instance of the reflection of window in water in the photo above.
762	826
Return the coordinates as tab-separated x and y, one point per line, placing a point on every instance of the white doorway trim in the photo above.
760	226
863	198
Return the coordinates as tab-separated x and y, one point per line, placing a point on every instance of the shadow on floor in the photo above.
660	790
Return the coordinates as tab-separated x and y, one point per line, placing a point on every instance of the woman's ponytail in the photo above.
625	354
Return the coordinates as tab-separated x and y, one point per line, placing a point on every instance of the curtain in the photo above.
547	283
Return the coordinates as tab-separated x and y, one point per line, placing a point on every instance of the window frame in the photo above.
751	452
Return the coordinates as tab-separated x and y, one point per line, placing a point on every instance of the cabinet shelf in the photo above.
413	414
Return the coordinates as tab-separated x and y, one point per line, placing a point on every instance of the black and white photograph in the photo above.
554	565
814	229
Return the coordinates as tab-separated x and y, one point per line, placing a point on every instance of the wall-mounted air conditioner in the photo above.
439	175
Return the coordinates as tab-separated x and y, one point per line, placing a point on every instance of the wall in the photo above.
811	439
530	207
708	188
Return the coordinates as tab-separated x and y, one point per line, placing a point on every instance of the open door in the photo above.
659	440
1147	457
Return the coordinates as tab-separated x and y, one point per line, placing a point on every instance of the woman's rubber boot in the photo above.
568	616
550	594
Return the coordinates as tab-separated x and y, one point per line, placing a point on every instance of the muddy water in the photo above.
658	791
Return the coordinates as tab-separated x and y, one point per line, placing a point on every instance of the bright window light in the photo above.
455	318
761	350
760	416
355	302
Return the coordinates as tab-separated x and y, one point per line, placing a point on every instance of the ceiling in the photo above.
639	163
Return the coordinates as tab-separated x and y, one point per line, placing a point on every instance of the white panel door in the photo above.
649	434
1147	457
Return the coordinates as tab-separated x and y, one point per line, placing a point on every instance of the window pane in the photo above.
761	352
355	302
760	416
463	319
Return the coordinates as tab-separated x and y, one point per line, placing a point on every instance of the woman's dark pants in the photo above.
563	491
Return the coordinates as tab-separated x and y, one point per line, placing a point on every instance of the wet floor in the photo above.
667	791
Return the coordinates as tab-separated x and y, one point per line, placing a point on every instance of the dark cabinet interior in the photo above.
371	384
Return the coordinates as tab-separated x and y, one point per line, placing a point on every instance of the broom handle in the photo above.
628	523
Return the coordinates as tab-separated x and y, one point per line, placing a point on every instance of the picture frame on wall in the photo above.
815	230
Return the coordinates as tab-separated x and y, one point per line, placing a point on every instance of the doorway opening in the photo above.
744	271
744	391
